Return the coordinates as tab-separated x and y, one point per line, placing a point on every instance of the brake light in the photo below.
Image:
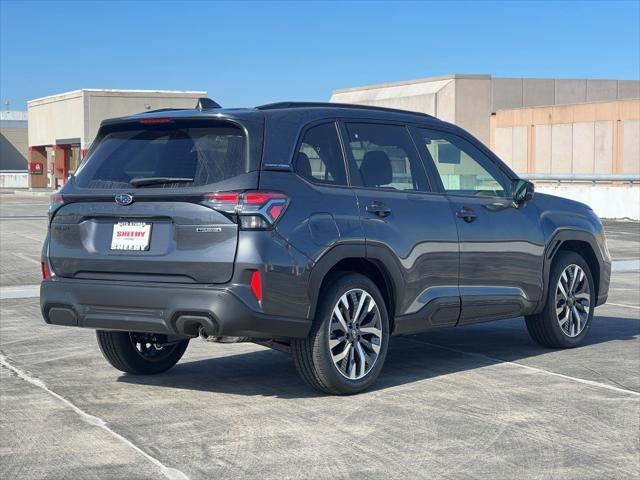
46	274
256	285
254	210
155	121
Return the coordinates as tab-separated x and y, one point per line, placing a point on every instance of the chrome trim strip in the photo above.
439	291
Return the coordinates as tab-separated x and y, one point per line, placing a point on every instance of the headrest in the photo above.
376	169
303	165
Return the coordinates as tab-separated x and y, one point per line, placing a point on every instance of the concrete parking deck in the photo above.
476	402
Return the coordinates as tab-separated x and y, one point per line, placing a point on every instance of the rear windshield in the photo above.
185	154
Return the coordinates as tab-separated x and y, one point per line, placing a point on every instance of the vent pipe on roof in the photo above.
205	103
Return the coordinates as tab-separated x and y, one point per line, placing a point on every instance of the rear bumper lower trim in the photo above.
170	309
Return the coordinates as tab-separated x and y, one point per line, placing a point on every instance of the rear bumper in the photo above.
157	308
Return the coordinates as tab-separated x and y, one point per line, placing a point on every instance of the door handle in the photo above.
467	214
379	209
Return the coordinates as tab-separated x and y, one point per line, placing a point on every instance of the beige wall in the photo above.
56	117
77	115
473	106
593	138
415	96
108	104
74	118
13	148
469	100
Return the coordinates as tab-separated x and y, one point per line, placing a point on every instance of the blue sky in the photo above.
247	53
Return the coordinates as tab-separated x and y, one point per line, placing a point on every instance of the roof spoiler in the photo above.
205	103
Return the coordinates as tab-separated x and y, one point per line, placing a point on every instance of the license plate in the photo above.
131	236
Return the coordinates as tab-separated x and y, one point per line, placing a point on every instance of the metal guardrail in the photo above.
579	177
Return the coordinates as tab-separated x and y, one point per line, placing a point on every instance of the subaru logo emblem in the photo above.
124	199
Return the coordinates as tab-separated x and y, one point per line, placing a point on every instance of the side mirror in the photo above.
522	191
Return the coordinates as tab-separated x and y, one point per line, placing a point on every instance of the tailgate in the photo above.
172	241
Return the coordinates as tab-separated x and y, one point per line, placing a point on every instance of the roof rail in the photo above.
205	103
277	105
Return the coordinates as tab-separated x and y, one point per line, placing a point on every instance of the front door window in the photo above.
463	168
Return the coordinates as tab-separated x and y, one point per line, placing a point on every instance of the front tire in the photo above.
346	348
140	353
568	311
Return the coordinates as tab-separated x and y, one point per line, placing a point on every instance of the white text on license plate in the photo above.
131	236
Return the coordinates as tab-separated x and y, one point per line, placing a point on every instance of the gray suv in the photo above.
317	229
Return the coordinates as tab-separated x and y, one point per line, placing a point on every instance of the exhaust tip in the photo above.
202	333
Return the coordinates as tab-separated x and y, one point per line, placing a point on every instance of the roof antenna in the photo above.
205	103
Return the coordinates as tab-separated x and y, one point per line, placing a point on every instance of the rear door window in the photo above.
385	157
319	157
191	154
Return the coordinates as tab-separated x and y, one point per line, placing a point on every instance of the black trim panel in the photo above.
160	309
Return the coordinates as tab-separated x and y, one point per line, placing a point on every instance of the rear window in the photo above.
190	154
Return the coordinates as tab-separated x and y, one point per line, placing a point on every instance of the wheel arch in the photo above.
581	242
352	258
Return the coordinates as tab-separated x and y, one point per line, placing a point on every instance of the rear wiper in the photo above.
141	181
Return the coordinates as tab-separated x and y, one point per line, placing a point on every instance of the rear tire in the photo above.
346	348
137	353
566	317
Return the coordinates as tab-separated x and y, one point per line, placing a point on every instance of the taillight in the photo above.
46	274
223	202
256	285
254	210
56	202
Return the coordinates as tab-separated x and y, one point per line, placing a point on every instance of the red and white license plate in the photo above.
131	236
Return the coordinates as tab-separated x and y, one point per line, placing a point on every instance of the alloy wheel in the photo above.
152	347
573	300
355	334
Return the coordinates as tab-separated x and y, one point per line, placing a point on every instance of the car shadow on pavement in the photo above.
410	359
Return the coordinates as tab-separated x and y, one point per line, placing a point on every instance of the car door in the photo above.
501	243
407	227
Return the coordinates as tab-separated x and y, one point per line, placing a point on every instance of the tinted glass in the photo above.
463	168
385	157
320	157
204	154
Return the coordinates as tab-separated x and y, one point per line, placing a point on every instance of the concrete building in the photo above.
62	126
575	138
13	149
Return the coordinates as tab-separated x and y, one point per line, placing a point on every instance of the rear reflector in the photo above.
46	274
256	285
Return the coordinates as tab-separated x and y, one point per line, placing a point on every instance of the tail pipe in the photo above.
202	333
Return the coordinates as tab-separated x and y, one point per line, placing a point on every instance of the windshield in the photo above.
175	154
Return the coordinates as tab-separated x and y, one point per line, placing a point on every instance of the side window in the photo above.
385	157
463	168
319	157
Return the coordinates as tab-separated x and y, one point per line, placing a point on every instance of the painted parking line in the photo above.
167	472
622	305
19	291
541	371
625	265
